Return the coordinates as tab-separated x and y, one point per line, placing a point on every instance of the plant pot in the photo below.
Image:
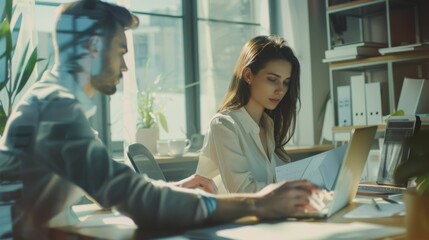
148	137
417	215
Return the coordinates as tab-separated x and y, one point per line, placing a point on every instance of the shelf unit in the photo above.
391	22
374	21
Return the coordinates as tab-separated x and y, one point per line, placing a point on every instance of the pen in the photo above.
390	200
376	204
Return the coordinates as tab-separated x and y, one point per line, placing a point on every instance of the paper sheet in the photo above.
369	211
299	230
91	215
98	220
321	169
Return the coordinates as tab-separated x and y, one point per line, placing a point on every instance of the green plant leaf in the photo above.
5	32
4	28
15	32
399	112
3	84
9	45
152	119
7	12
29	67
20	66
44	68
163	122
422	184
3	119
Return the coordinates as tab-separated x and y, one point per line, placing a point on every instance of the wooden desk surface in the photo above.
110	231
187	157
308	149
193	156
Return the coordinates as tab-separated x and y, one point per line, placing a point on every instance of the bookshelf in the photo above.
389	25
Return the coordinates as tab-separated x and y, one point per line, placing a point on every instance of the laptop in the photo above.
350	172
393	154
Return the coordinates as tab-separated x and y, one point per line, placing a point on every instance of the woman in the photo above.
256	119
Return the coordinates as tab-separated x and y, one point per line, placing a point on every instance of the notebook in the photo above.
348	177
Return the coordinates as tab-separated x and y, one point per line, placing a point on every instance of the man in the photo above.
48	143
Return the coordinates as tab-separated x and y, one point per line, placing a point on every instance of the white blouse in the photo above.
233	154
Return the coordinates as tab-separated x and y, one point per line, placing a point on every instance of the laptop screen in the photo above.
351	170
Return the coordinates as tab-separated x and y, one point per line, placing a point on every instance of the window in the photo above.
223	28
159	60
190	47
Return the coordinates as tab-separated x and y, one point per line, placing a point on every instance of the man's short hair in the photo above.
79	20
104	13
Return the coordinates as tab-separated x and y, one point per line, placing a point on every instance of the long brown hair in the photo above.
256	53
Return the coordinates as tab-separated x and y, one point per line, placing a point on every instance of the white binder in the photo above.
373	103
344	106
357	84
414	96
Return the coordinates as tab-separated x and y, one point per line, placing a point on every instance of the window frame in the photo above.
190	20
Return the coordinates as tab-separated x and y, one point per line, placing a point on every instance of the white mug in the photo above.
162	147
177	147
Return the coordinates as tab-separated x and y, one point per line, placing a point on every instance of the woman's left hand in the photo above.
197	181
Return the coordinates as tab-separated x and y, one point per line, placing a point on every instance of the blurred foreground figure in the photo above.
49	145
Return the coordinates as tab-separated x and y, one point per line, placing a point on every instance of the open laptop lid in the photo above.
351	170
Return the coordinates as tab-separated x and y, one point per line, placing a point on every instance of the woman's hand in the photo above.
197	181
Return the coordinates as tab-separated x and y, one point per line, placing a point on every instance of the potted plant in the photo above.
150	117
13	82
416	199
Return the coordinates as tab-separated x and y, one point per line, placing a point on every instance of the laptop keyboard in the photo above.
364	188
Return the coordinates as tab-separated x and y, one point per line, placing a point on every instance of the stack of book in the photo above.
405	48
353	51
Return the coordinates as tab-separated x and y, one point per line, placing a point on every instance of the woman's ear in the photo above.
247	75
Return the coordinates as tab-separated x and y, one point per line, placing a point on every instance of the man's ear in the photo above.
94	45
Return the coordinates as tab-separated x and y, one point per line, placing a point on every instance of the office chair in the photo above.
10	192
143	161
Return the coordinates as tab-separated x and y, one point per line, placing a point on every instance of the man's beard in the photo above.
107	88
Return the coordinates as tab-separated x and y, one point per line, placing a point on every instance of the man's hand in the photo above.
197	181
279	200
291	198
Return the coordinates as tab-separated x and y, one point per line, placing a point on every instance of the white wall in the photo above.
303	24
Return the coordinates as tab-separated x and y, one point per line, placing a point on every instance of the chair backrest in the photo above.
144	162
10	192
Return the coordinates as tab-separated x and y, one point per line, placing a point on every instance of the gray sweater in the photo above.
50	137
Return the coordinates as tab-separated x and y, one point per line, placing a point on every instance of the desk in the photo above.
301	152
131	232
343	133
177	168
